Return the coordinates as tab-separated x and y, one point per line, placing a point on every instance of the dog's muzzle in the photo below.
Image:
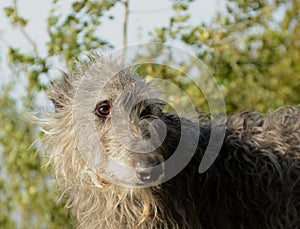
149	170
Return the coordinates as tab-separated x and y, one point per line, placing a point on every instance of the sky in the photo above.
144	16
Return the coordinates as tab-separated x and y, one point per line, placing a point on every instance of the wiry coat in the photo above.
254	182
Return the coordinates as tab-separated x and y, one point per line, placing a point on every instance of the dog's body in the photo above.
253	183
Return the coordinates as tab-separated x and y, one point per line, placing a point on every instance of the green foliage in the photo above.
27	194
251	51
74	33
14	17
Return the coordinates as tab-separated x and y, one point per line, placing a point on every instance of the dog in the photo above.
125	162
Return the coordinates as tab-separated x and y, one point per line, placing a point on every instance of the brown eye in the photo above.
103	109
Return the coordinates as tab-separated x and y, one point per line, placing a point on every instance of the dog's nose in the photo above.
149	172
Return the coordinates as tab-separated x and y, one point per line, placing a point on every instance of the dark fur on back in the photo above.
254	182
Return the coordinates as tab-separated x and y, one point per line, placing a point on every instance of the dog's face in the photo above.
117	127
127	120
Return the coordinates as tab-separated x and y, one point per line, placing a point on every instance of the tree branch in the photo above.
23	31
125	25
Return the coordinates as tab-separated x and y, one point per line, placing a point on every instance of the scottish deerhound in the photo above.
110	140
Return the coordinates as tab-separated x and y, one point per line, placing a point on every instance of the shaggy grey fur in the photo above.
254	182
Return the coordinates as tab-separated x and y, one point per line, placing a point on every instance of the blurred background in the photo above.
252	48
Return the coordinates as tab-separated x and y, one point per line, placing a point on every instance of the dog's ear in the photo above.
61	92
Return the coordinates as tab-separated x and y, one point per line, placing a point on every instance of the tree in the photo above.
252	48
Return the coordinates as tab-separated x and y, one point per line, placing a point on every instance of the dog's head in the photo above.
117	123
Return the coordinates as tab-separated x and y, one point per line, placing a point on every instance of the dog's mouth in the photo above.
147	171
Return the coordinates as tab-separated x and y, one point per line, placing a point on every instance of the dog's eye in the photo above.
103	109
